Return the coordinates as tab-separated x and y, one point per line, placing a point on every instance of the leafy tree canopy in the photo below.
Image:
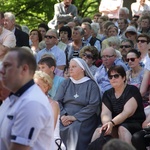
33	12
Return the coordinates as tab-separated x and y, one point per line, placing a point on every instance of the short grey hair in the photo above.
95	27
125	9
87	24
78	28
54	31
129	41
10	15
114	40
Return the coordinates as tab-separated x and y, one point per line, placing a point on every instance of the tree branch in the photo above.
29	7
85	10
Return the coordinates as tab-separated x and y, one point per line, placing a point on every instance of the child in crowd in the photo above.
48	65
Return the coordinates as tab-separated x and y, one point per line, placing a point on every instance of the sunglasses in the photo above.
116	76
142	41
49	36
88	56
132	59
125	46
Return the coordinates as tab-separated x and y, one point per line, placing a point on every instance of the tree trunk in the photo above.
127	3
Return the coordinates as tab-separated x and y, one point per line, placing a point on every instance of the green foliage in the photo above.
87	8
33	12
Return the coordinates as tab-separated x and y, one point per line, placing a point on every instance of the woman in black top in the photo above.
121	106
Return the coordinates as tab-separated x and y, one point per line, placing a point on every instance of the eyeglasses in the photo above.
116	76
107	56
88	56
49	36
125	46
142	41
132	59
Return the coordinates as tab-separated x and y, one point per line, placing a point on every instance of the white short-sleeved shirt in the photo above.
27	120
7	38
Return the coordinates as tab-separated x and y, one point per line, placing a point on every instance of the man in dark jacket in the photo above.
22	38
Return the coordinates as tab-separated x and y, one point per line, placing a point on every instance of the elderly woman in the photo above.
77	44
44	81
112	30
90	55
114	42
122	107
79	99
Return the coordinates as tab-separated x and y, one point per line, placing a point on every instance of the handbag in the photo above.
99	142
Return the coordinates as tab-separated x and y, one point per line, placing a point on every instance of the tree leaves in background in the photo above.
33	12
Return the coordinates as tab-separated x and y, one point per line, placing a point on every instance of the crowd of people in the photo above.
65	82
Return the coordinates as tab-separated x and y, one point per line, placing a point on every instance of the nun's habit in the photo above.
81	99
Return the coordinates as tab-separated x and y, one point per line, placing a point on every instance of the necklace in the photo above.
76	95
75	91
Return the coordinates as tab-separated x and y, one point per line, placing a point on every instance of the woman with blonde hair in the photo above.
45	82
111	31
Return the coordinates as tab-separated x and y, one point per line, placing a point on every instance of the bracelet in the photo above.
112	123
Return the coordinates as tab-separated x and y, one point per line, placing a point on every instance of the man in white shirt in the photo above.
26	120
51	40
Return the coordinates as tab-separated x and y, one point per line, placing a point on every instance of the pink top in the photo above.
110	8
7	38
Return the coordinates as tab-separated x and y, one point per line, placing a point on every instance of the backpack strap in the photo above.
93	40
